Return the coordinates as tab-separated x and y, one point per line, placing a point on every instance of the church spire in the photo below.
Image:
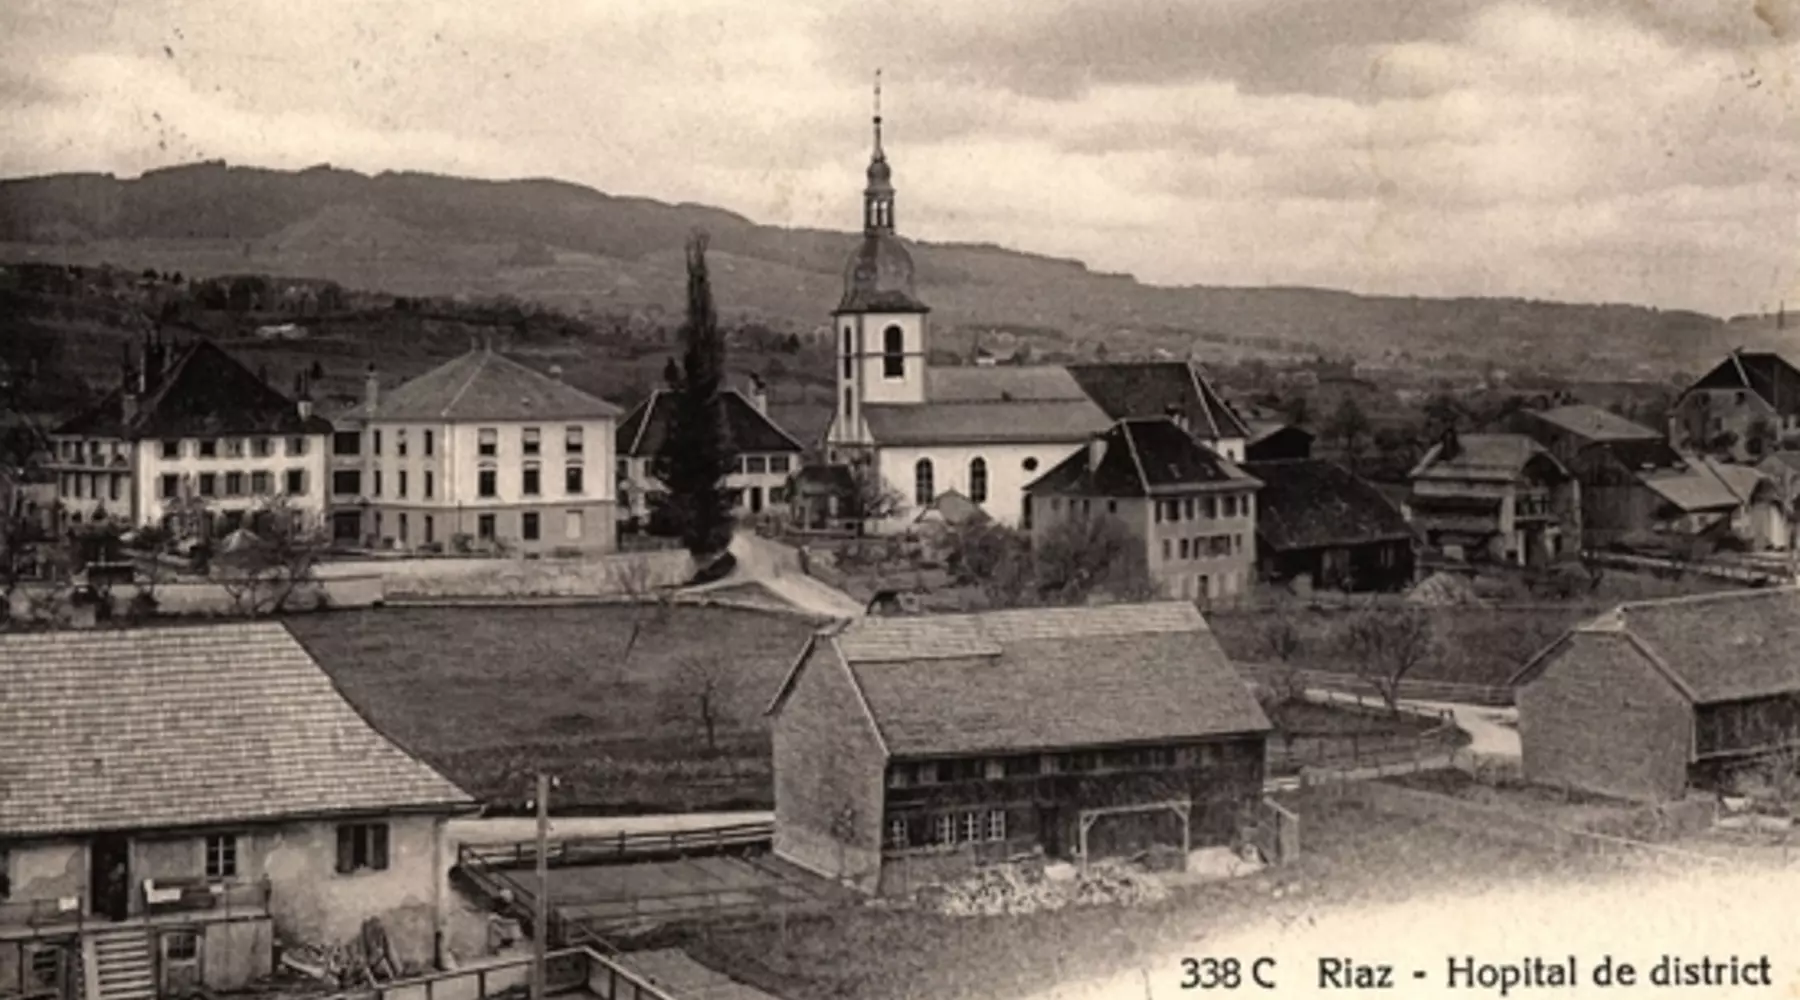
878	197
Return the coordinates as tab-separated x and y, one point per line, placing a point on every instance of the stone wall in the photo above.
469	577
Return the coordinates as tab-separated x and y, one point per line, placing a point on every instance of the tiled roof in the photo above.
188	726
1694	490
806	422
1046	678
1717	647
1745	482
641	433
1645	456
1310	503
995	383
1150	388
1768	375
1779	461
1500	457
204	392
1141	458
1593	423
982	422
485	385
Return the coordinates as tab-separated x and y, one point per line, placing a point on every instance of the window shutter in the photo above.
346	859
378	846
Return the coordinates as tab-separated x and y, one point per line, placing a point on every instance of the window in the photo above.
528	526
400	486
375	442
375	484
171	486
572	441
221	855
181	946
296	482
260	483
1021	766
232	447
486	482
209	448
346	443
849	353
978	480
1190	508
171	449
893	353
849	401
400	442
971	827
46	965
430	529
403	532
1183	548
996	824
1112	506
756	465
234	484
531	486
532	442
1167	554
484	527
896	834
778	464
1030	465
1212	508
994	768
430	443
487	442
922	487
116	488
296	446
946	829
572	480
262	447
362	847
572	526
899	775
430	484
209	484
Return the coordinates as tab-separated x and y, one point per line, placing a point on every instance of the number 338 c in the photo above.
1226	973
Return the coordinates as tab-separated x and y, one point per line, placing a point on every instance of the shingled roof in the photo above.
1727	646
642	432
1152	388
189	726
1491	457
1039	679
1768	375
1592	423
1149	457
1309	503
485	385
1012	421
203	392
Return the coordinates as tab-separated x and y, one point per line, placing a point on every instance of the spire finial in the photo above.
877	112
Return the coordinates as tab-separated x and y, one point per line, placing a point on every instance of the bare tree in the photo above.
702	691
871	498
1387	643
272	559
1082	557
653	605
1283	642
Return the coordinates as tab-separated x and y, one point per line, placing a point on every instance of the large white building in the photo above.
480	451
189	430
984	432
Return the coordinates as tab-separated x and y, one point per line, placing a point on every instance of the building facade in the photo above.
766	455
1495	497
1318	525
480	453
1746	407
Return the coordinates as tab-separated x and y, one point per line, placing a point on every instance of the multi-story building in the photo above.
479	452
1498	497
1745	408
766	454
190	439
1193	510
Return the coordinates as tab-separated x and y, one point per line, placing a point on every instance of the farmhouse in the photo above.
909	749
1744	408
1319	523
766	454
1501	497
178	798
1653	697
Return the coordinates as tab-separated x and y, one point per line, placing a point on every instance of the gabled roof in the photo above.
1645	456
1494	457
642	432
806	422
996	383
1041	679
1262	430
1309	503
1706	485
189	726
1726	646
204	392
484	385
1768	375
1592	423
1049	422
1149	457
1152	388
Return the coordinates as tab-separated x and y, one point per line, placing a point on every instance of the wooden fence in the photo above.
1409	690
621	847
567	971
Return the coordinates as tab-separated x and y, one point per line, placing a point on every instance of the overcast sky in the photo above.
1593	150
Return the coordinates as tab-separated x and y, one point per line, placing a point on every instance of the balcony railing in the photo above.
150	899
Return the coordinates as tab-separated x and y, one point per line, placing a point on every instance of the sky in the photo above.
1586	150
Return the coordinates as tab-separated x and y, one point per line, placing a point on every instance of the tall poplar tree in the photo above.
697	454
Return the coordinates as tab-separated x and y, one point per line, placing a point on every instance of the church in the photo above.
981	432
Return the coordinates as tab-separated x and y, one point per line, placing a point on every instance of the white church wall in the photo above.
1006	474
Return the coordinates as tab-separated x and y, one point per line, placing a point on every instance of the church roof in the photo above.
878	277
1069	421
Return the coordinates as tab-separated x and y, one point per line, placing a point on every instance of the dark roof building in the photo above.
641	433
1274	441
949	739
195	390
1141	458
1317	519
1175	389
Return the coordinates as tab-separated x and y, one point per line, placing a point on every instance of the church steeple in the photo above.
878	197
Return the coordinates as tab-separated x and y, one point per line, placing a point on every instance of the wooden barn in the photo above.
1654	697
910	749
1319	523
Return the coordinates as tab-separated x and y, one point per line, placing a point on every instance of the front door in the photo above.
756	499
109	875
180	959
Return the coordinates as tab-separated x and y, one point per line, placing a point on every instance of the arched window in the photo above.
978	480
849	400
893	353
923	493
849	351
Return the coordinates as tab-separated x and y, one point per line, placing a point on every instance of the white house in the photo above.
479	451
189	423
766	454
984	431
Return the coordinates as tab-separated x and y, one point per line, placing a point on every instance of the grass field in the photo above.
491	695
1352	856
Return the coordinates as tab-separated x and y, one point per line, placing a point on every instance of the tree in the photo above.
1443	414
792	344
1386	644
261	569
316	373
871	498
671	374
1079	558
702	691
1349	426
1297	409
697	455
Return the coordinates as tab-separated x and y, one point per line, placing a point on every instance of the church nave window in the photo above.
923	493
978	483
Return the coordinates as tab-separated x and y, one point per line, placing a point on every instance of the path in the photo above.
1493	732
777	568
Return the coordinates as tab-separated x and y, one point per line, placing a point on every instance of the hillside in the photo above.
587	252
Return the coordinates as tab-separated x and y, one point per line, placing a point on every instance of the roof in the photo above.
1497	457
805	422
823	478
1593	423
1645	456
1309	503
1262	430
485	385
204	392
878	277
1768	375
1141	458
1054	421
642	432
1780	462
1745	482
1043	678
1726	646
1698	488
1151	388
997	383
189	726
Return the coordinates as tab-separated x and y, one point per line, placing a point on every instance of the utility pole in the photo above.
540	922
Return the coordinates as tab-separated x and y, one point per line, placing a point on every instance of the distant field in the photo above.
492	695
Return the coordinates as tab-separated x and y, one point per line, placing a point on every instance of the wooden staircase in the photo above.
118	965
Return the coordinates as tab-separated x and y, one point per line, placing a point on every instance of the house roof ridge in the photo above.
1137	460
474	373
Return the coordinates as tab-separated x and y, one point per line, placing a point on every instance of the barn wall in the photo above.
1600	718
828	773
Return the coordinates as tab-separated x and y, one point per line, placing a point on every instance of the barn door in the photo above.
180	955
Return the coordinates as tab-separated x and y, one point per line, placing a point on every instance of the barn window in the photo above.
221	856
922	485
996	824
896	833
978	480
971	827
946	829
362	846
893	353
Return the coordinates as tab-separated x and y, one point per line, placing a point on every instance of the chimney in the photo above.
371	388
1177	415
759	394
556	372
1096	451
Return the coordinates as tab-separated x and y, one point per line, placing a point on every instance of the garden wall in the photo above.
210	597
458	577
